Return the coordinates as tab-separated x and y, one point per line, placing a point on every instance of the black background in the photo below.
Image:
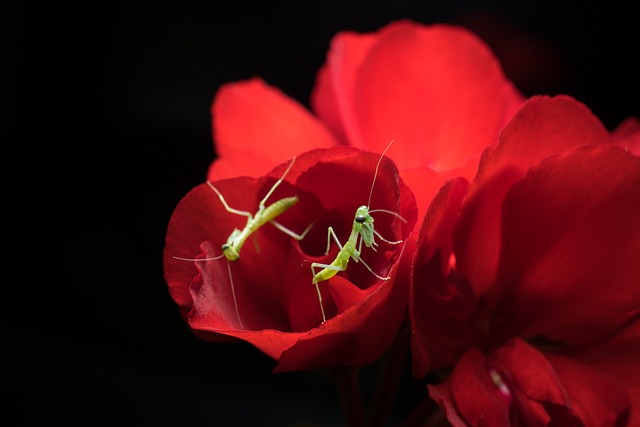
105	112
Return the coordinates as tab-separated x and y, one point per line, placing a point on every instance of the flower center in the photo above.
497	380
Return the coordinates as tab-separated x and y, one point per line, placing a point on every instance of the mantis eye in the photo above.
225	246
360	219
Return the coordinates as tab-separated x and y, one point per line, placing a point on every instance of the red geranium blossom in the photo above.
526	281
437	91
277	305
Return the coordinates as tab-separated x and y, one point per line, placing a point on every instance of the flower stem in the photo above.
389	380
422	414
351	397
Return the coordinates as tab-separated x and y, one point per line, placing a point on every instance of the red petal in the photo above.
596	399
477	232
627	135
277	304
332	94
237	164
550	389
469	397
361	334
441	394
346	294
425	182
571	244
327	179
196	219
439	311
438	91
531	382
618	357
518	385
201	224
256	127
544	126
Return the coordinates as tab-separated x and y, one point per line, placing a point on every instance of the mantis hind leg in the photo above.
264	200
331	233
226	206
356	257
290	232
276	224
198	259
315	282
379	236
286	231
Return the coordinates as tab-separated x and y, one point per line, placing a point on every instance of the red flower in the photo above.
437	91
526	281
520	385
277	305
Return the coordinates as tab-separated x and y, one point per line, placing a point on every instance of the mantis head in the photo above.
231	249
363	224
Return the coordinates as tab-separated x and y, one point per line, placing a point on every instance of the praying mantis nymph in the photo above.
265	214
362	230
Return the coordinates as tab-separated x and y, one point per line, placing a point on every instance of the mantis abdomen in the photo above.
338	264
262	217
274	210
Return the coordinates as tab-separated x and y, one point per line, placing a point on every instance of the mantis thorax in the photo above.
363	224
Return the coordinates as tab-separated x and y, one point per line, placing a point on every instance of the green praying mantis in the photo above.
362	231
264	215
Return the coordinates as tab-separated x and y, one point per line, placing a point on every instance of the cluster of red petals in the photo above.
526	280
437	91
519	262
278	308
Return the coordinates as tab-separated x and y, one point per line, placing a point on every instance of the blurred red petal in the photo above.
627	135
257	127
544	126
436	90
439	310
477	232
596	398
548	388
237	164
570	247
530	380
519	385
441	394
618	357
331	98
469	397
536	64
425	182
